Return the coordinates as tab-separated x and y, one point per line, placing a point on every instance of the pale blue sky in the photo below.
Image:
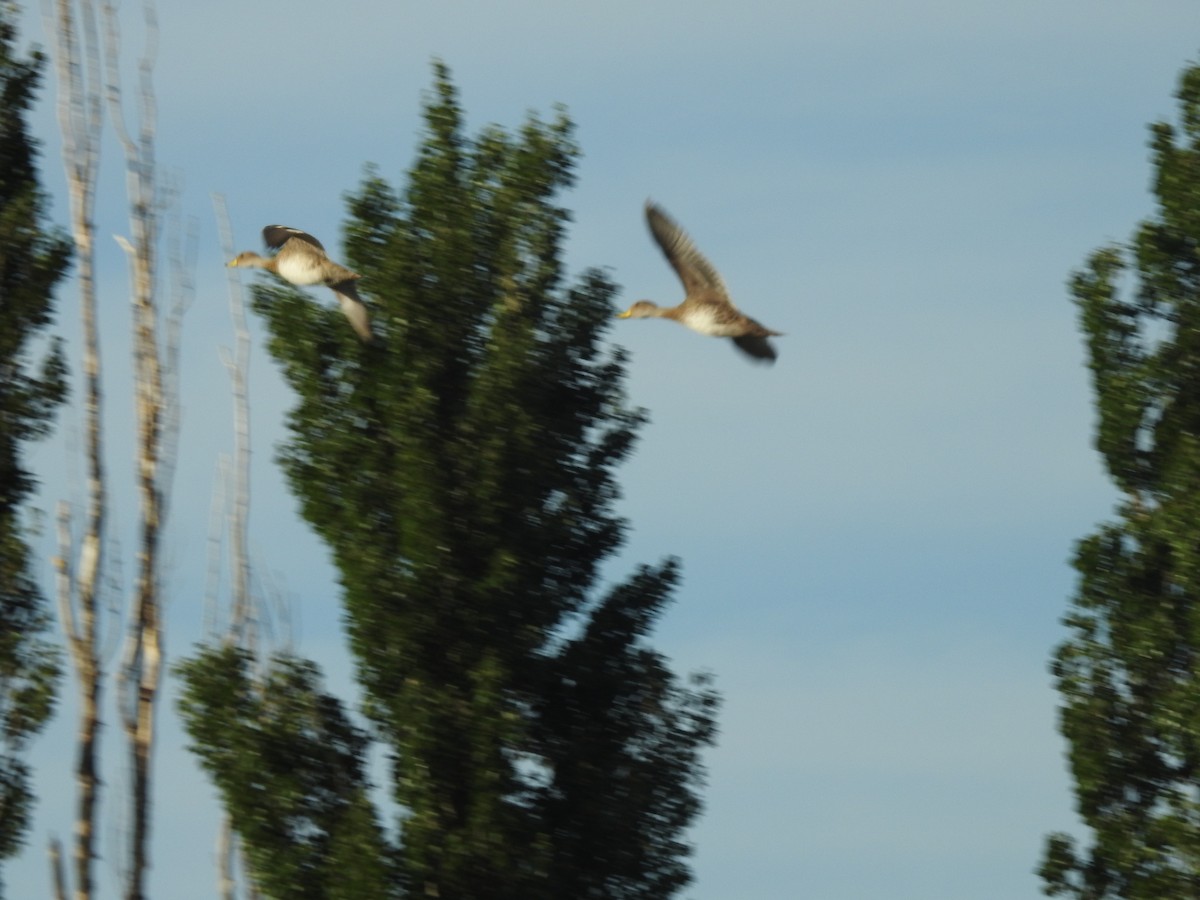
875	532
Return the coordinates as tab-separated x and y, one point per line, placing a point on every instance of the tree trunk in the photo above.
80	118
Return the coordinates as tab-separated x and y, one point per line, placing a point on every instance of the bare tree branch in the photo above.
80	113
226	885
181	254
242	629
57	876
142	662
243	617
213	622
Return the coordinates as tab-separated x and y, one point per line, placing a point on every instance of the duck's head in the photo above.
640	310
246	259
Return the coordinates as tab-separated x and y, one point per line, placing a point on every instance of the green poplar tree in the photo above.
290	768
462	473
1129	674
32	261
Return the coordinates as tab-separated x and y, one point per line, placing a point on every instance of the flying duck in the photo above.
301	260
706	306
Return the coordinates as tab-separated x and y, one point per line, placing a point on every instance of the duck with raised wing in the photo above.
706	306
301	260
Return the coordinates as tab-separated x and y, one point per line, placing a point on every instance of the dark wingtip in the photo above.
758	349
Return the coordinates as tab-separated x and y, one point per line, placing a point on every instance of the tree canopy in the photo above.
1129	674
462	472
33	260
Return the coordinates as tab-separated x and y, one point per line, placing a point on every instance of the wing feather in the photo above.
757	348
693	268
275	236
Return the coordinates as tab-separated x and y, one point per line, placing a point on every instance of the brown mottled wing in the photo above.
758	348
697	273
276	236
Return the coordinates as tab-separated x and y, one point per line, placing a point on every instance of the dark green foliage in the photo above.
463	476
1130	672
289	766
32	261
625	738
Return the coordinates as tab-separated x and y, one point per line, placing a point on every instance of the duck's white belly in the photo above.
704	321
299	270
